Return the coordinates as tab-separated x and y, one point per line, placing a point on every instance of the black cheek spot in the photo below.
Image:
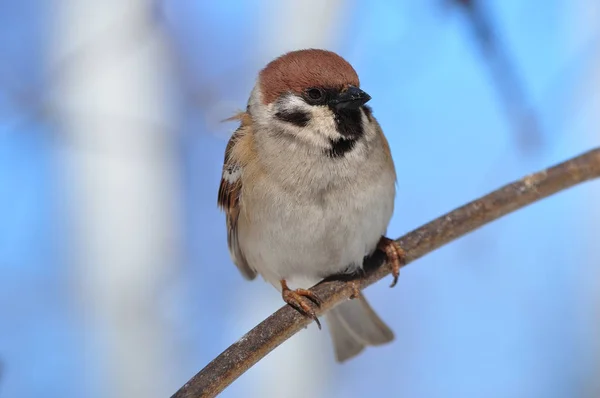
297	118
340	147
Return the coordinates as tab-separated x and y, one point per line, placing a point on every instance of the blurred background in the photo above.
115	280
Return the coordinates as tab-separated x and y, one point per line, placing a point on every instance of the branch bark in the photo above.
286	322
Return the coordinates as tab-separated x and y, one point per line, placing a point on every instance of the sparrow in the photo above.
308	189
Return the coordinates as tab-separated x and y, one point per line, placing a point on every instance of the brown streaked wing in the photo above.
229	200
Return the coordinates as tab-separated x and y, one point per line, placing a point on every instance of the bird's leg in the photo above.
395	256
296	299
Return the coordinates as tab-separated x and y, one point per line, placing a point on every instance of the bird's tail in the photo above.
353	326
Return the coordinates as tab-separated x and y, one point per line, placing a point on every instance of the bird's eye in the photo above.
315	95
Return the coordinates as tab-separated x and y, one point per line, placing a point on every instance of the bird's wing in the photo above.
229	197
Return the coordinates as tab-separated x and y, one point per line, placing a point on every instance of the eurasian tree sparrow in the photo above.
308	189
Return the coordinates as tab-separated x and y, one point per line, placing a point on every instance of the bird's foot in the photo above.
395	256
299	299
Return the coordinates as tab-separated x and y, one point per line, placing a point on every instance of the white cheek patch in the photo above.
320	130
323	122
322	125
311	133
293	102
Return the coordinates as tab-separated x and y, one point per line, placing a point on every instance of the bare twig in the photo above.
284	323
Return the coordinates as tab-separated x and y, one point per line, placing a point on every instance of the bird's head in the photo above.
312	96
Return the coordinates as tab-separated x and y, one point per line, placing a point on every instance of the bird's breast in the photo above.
298	231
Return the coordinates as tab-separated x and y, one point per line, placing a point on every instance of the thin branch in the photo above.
284	323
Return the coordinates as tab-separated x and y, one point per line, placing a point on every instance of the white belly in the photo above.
303	239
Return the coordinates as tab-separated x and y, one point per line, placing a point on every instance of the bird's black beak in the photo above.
352	98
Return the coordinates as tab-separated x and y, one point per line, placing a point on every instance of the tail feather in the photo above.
345	343
354	325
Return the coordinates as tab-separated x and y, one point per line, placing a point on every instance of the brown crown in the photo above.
298	70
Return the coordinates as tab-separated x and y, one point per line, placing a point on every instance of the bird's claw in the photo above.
298	300
395	256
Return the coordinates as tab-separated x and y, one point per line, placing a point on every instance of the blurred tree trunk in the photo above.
110	73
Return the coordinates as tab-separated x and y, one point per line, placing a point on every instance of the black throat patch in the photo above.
349	122
340	147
